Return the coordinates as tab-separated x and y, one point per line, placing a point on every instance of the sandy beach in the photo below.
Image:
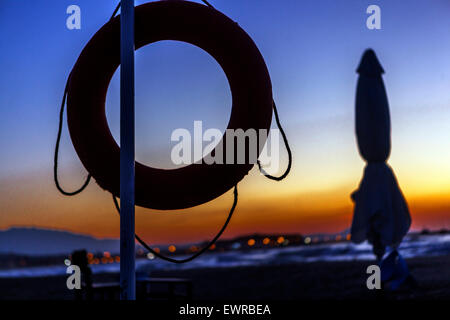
302	281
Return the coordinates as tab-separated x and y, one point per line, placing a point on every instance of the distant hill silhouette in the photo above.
40	242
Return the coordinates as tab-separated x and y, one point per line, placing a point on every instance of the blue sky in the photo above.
311	49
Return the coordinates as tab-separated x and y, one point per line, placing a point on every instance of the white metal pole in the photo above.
127	242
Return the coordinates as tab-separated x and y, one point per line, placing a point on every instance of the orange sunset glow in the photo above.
303	203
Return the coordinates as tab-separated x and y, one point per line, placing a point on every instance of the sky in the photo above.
311	49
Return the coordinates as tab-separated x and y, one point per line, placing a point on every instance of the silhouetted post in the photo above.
127	244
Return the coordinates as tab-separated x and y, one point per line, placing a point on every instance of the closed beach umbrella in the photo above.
381	213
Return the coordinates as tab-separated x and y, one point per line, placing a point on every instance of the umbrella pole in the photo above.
127	242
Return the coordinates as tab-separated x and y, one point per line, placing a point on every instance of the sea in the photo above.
412	246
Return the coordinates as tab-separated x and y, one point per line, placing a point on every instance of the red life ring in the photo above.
184	21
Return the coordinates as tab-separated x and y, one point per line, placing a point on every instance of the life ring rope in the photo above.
205	248
58	137
58	140
288	149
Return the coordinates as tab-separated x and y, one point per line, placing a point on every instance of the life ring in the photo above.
193	23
